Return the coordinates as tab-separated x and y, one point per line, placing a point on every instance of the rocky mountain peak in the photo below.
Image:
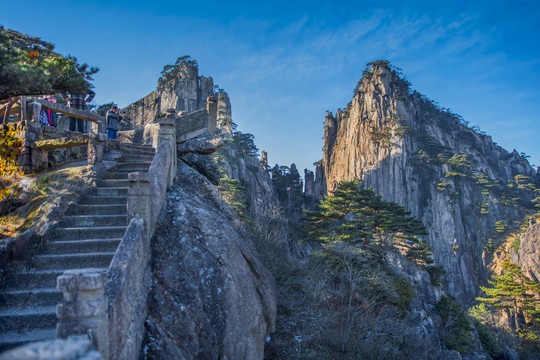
426	158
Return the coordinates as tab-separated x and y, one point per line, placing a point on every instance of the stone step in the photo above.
12	339
103	209
30	297
112	191
73	261
136	153
35	317
114	183
102	200
80	233
29	279
137	158
92	220
125	166
116	175
34	278
82	246
137	147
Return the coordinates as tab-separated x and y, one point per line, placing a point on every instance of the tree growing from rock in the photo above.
514	293
356	214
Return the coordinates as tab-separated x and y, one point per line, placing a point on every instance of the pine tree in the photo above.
355	214
29	66
513	292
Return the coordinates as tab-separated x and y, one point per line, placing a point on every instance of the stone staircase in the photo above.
87	237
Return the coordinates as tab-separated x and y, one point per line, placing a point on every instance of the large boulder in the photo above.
204	145
204	164
211	298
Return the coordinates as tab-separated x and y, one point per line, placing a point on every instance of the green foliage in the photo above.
487	339
404	291
10	148
231	191
456	331
442	186
244	144
381	136
514	292
435	274
358	215
460	162
484	207
500	226
170	71
29	66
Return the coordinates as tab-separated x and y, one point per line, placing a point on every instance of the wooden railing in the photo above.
62	109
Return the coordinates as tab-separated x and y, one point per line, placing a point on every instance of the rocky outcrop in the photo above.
204	145
181	89
211	298
224	114
262	205
527	256
455	179
289	189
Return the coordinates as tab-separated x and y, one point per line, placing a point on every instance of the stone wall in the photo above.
191	125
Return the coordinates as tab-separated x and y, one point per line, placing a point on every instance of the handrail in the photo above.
80	114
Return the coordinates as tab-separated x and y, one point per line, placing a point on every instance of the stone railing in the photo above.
197	123
110	306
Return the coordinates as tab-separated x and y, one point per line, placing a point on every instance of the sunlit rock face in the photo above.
527	255
182	89
425	158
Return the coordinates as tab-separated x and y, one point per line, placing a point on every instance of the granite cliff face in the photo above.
455	179
527	255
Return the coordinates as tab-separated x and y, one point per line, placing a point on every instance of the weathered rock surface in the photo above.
528	254
211	298
224	114
204	145
205	165
403	146
263	206
73	348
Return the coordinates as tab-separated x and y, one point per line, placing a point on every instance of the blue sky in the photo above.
284	63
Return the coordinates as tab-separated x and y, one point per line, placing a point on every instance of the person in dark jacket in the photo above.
112	119
79	101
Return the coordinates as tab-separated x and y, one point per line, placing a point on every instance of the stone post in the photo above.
95	149
40	159
36	109
167	132
84	307
211	107
140	199
23	108
98	127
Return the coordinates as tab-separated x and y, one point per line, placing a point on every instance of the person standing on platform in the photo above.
112	118
78	101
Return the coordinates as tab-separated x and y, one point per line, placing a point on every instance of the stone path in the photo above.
86	237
